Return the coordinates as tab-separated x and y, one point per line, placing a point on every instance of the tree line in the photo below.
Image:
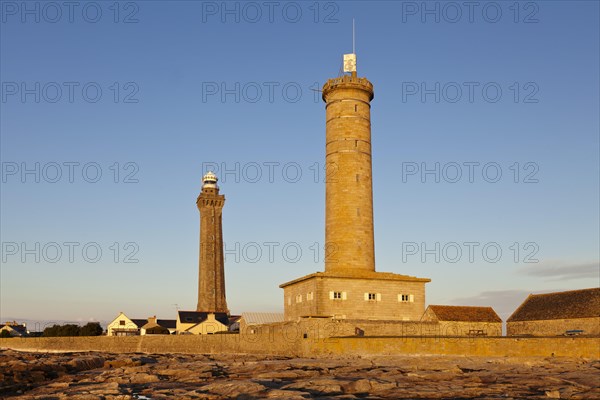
89	329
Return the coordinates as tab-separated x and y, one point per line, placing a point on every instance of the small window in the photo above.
121	322
372	296
309	296
299	298
406	298
337	295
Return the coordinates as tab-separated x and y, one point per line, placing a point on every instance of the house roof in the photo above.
195	317
150	325
21	330
584	303
256	318
191	328
465	313
167	323
139	322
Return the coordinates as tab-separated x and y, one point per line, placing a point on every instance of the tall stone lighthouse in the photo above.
211	279
350	288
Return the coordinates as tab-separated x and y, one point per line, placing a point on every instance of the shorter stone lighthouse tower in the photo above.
211	284
350	287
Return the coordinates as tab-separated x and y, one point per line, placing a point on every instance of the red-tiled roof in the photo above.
465	313
584	303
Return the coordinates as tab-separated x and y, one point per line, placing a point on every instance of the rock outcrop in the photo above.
105	376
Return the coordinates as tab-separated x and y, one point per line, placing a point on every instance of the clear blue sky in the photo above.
159	118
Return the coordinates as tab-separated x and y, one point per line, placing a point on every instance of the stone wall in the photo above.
590	326
334	346
307	291
473	346
323	328
193	344
457	328
387	307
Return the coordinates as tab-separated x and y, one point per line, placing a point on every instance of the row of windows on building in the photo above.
402	298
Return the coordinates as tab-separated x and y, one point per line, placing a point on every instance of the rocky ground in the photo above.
95	376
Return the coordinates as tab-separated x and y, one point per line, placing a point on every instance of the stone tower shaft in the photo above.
349	238
211	276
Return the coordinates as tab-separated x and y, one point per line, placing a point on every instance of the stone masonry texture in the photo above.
211	285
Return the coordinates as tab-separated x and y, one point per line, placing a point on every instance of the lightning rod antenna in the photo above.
349	63
353	38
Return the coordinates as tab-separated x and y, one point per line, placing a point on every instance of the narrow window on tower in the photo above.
356	108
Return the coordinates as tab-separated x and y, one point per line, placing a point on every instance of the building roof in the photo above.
195	317
465	313
167	323
370	275
150	325
257	318
20	330
139	322
584	303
